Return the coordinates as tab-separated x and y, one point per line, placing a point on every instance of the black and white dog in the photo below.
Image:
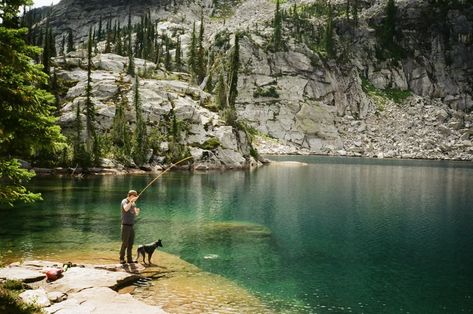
148	249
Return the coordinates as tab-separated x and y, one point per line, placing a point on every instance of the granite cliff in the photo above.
367	94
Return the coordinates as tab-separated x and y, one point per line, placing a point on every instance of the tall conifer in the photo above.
178	55
131	58
191	63
92	144
234	67
140	139
70	41
277	25
200	58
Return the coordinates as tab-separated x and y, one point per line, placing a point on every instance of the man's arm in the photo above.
130	203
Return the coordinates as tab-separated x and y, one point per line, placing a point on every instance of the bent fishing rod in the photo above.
162	173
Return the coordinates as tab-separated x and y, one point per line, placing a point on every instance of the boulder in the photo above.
38	297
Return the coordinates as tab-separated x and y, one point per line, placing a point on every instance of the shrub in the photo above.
270	92
10	302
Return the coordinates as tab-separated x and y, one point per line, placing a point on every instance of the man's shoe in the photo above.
122	261
132	262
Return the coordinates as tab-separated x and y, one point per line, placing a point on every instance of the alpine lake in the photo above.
332	235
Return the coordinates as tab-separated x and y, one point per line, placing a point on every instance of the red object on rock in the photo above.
54	274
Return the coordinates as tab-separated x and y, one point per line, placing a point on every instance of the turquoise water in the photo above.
336	236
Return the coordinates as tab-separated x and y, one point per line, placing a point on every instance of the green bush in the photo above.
270	92
397	95
380	96
10	302
210	144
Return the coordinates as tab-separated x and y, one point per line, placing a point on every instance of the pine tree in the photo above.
167	58
347	10
200	58
178	55
46	51
191	63
221	91
99	31
389	25
92	145
52	43
355	8
329	44
277	35
70	41
234	67
121	133
131	58
118	42
140	138
63	46
27	123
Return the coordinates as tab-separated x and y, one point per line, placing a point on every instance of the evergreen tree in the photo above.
63	46
131	57
297	22
347	9
234	67
99	31
200	58
178	55
191	63
27	124
329	44
118	41
70	41
221	91
92	145
140	138
277	25
167	58
46	51
355	9
121	133
389	25
52	43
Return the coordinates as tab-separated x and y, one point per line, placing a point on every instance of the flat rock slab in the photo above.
21	273
76	279
102	301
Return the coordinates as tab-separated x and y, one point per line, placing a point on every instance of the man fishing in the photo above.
128	212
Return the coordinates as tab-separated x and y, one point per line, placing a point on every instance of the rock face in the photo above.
305	101
82	289
162	100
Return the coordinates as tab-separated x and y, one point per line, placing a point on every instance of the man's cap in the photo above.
132	192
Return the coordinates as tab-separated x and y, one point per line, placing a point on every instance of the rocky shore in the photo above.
99	285
81	289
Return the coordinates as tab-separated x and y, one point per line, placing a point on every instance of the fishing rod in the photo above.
161	174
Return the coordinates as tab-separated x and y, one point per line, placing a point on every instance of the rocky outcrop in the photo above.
81	289
162	98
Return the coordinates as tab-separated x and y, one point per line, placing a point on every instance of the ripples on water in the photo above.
338	235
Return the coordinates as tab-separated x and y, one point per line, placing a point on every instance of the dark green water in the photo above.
336	236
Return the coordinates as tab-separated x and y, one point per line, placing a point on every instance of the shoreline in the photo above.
98	171
171	284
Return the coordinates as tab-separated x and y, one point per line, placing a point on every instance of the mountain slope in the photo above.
403	92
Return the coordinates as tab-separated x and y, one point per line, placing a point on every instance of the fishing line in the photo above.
162	173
